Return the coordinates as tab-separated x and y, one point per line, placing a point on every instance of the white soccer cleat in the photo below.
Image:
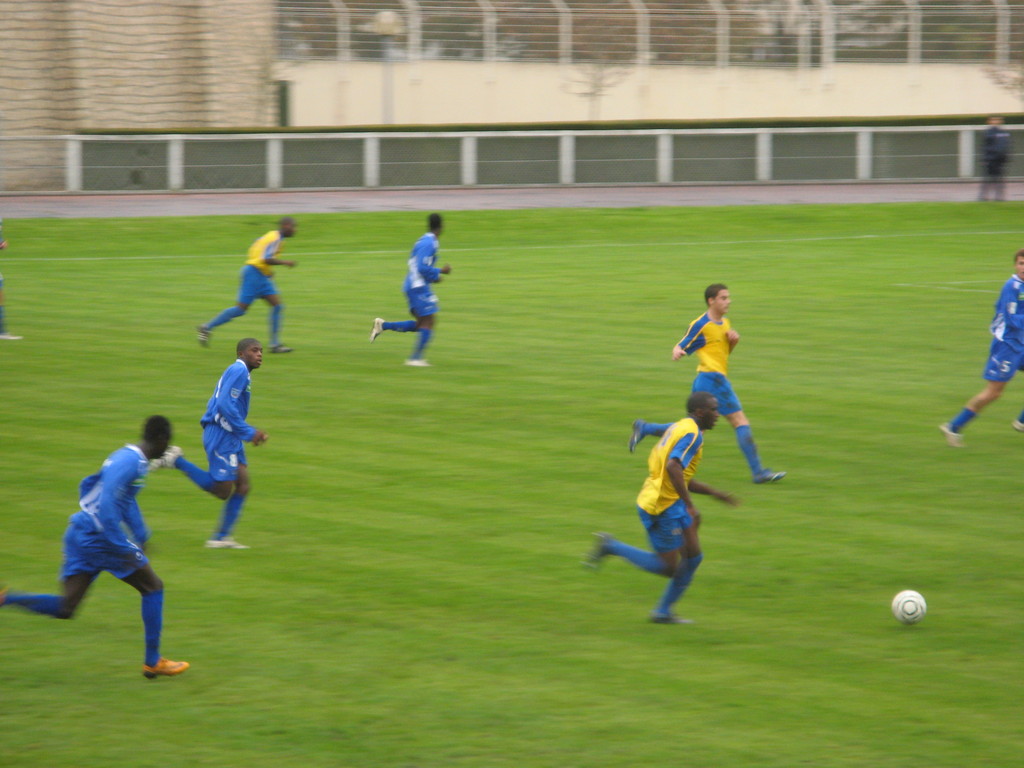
167	460
953	439
226	543
417	362
378	328
9	337
1018	425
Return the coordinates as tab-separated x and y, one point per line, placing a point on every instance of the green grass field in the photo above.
413	597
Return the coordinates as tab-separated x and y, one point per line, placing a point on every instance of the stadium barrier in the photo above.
313	161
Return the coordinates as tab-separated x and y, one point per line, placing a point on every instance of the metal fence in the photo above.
340	160
708	32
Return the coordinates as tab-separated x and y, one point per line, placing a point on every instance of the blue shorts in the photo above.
88	552
224	451
422	302
1003	362
255	285
665	531
719	386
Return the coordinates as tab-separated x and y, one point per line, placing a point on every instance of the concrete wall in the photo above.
349	93
69	65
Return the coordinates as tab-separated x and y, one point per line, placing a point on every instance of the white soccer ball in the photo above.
909	607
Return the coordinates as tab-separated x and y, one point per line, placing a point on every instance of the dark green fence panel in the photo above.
714	158
517	160
124	166
225	164
322	163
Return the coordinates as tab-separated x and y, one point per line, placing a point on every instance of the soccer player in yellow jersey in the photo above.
256	284
712	338
666	507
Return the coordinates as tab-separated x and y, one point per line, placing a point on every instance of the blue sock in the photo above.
641	558
403	327
678	583
228	518
200	477
153	622
46	604
2	319
228	314
421	342
275	323
961	419
650	428
746	441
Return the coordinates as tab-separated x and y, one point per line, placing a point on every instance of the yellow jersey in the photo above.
683	441
267	247
708	339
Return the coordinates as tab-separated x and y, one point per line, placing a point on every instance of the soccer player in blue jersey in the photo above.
712	338
1005	356
109	534
224	433
256	283
4	335
665	506
422	301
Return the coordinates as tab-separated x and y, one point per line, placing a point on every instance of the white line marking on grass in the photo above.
547	246
942	287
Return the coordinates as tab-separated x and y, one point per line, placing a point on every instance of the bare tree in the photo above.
1009	77
604	58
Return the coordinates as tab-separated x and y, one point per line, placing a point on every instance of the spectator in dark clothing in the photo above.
995	153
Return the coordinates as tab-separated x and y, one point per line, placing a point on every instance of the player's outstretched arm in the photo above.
259	437
677	352
703	488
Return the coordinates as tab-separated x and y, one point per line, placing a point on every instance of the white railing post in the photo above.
913	31
275	161
414	29
176	163
468	161
965	157
664	161
564	31
827	22
490	29
73	165
643	32
342	31
567	159
764	156
371	161
865	148
721	32
1002	32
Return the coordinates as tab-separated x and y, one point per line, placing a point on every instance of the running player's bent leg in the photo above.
151	588
405	326
641	558
1003	362
227	315
690	558
197	475
233	506
276	313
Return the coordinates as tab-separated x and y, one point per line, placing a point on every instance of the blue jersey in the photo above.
229	406
1008	323
107	500
422	271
